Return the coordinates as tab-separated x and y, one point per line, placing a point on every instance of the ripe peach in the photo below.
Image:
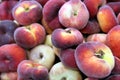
106	18
66	38
91	27
61	72
116	69
113	40
27	12
10	56
73	13
7	28
6	9
67	58
94	59
100	37
42	2
30	70
95	6
50	14
9	76
32	35
115	6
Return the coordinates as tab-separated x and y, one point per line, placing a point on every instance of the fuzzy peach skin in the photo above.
10	56
95	6
42	54
66	38
113	40
74	13
50	18
116	69
42	2
7	28
9	75
6	9
29	70
106	18
91	27
94	59
100	37
67	58
27	12
115	6
32	35
61	72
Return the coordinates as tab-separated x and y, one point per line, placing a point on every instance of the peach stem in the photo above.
99	54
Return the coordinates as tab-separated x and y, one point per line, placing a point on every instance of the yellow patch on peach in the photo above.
19	10
33	6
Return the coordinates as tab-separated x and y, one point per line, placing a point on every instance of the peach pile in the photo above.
59	39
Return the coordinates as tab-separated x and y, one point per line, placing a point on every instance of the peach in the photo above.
95	6
50	14
61	72
106	18
7	28
48	40
45	25
115	6
9	76
29	70
6	9
116	69
42	54
73	13
27	12
10	56
32	35
91	27
66	38
42	2
100	37
113	40
56	51
67	58
94	59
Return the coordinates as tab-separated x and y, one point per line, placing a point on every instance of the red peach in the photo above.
29	70
100	37
27	12
116	69
66	38
113	40
6	9
94	59
115	6
32	35
106	18
67	58
10	56
91	27
95	6
50	14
